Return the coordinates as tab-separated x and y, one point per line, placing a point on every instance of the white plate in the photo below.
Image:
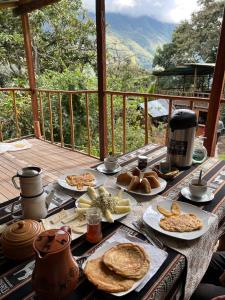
113	191
98	253
152	217
155	191
208	196
99	179
101	168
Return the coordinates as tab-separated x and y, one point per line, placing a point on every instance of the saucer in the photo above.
208	196
101	168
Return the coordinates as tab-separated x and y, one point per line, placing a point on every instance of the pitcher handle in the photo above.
14	182
12	209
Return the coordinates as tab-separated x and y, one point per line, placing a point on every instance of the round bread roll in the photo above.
151	173
145	186
124	178
136	172
134	183
154	182
128	260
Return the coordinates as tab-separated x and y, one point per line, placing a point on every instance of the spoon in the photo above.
200	178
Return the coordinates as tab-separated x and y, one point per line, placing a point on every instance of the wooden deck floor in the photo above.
52	159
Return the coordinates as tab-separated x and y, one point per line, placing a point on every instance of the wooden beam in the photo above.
101	64
31	73
8	4
28	7
215	96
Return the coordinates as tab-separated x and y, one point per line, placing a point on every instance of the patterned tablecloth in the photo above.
183	257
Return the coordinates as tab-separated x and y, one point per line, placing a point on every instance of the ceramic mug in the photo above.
197	190
111	163
34	208
30	181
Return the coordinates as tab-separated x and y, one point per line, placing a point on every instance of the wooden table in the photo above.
168	281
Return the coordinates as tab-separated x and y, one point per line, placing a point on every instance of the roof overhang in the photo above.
25	6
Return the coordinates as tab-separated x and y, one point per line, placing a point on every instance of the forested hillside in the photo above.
136	38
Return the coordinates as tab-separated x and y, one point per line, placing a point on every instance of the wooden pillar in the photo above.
101	64
31	73
215	96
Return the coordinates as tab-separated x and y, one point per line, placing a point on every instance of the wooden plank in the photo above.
88	123
50	118
112	124
146	119
124	124
42	115
16	114
215	96
61	120
101	65
31	6
8	4
71	121
54	161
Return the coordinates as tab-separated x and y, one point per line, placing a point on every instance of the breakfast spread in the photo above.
119	268
176	221
136	181
109	204
81	180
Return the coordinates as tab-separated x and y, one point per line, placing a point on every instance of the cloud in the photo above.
163	10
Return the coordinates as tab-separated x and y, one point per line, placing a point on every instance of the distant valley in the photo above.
136	38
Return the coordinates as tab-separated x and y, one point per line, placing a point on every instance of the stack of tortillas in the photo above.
119	268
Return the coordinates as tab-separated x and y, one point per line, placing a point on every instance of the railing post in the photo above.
215	96
146	119
31	73
101	63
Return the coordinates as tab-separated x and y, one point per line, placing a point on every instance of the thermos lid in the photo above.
53	240
29	172
183	119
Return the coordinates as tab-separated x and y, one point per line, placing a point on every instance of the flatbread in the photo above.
104	279
128	260
181	223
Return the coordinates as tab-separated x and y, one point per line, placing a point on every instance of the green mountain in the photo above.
136	38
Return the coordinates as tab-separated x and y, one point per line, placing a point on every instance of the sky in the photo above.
164	10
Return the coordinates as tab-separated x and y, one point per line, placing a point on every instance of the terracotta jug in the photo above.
56	272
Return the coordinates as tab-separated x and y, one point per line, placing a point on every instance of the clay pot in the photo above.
56	272
17	239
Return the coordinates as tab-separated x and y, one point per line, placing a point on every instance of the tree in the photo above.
63	36
195	40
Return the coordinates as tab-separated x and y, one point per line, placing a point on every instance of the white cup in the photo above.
111	163
197	190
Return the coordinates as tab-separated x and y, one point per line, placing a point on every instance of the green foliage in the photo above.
195	40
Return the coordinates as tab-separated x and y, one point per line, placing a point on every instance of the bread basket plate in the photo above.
155	191
100	179
114	192
152	217
98	253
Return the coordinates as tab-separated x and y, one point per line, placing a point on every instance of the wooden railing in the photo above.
59	118
11	114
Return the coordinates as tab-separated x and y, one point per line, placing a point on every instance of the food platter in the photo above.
113	192
99	179
98	253
154	191
152	217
